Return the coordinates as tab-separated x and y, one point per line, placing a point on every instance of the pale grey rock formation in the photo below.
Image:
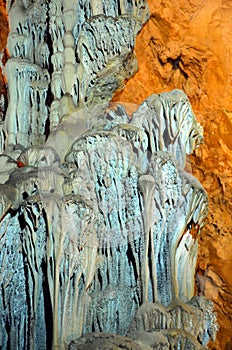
172	124
80	52
27	110
99	224
7	165
195	317
99	235
103	341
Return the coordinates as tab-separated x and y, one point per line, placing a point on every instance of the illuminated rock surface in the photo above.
187	45
99	220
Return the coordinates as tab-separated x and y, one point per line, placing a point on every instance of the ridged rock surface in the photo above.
3	38
188	45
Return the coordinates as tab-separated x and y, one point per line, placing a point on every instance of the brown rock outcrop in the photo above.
3	25
188	45
3	38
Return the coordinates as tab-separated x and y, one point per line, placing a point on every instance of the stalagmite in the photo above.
98	219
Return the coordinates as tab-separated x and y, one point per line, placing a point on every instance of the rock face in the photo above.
89	241
187	45
3	39
99	224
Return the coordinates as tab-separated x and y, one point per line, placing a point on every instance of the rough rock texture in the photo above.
72	215
88	240
176	319
3	39
103	341
188	45
64	54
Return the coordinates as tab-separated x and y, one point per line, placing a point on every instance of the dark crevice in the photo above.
117	318
47	308
49	98
166	137
99	278
149	148
131	260
21	222
47	128
27	301
25	195
119	8
176	65
160	61
99	324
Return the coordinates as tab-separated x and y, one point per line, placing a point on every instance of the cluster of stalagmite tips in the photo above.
94	227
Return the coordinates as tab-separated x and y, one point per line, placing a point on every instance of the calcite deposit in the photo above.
187	45
99	219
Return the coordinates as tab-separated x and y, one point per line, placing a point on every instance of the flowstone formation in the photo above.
99	220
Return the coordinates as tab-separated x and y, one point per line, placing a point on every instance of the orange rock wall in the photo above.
3	37
3	25
187	44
